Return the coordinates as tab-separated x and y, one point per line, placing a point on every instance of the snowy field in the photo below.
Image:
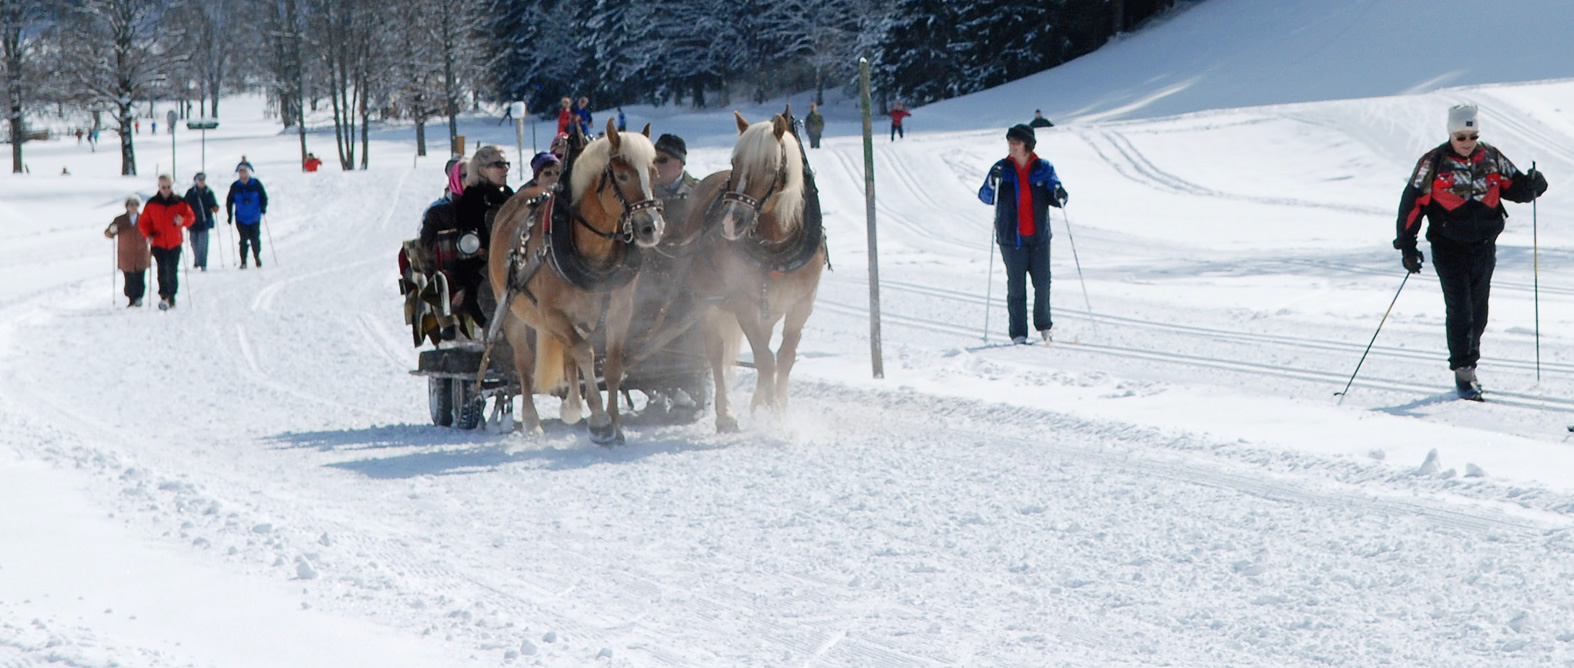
251	479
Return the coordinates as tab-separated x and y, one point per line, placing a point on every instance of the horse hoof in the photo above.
606	435
727	425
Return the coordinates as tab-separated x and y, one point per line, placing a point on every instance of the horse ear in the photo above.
646	131
787	112
742	124
613	136
779	125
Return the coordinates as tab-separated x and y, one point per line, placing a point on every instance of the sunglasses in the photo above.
501	163
1467	137
663	160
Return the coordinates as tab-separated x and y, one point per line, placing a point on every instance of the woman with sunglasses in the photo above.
1459	187
485	191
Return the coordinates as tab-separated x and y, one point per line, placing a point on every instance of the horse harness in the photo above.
787	256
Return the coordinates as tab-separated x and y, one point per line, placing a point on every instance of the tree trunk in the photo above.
18	132
1118	14
128	153
420	137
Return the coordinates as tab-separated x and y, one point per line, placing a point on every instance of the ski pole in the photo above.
186	274
990	289
1341	393
271	249
1535	274
1089	303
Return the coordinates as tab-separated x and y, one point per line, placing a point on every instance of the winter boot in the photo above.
1465	383
163	304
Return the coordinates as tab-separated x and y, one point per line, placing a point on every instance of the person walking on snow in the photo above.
1459	187
246	204
131	251
1022	187
814	124
1039	121
164	221
206	205
897	113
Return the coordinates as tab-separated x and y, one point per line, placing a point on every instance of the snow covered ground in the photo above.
250	479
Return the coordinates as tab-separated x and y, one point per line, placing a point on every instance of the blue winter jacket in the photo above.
1042	182
247	202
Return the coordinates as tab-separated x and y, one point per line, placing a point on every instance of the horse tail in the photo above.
549	362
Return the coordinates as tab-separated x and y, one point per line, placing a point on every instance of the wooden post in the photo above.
875	357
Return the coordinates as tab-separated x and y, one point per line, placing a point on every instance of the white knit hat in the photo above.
1462	118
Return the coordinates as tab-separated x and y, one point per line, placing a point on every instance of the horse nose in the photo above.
651	229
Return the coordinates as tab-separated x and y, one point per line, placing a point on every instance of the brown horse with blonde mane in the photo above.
764	260
568	275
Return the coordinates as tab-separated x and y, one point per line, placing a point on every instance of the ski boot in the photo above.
1465	383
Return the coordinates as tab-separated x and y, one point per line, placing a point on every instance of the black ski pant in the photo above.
250	234
136	284
814	140
168	270
1465	271
1028	261
896	131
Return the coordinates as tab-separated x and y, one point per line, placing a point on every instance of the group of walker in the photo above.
157	231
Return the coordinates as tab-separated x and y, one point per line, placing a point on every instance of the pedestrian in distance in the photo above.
1022	187
897	113
565	115
1459	187
245	205
1039	121
623	122
164	221
312	162
206	206
132	256
79	136
814	124
582	111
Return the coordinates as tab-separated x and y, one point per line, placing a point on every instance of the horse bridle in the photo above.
625	228
732	195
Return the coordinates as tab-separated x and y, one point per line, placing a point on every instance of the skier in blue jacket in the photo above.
246	204
1022	187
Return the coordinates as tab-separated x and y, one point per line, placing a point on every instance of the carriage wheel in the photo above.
468	407
440	399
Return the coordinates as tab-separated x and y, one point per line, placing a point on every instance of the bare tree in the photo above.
344	33
22	24
285	22
112	57
209	43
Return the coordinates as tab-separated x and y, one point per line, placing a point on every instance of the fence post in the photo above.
875	357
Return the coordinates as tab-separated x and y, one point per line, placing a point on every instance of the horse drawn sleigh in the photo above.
595	290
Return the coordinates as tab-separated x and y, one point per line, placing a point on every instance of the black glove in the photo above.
1412	260
1061	195
994	173
1538	183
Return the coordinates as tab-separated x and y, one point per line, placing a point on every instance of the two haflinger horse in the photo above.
755	250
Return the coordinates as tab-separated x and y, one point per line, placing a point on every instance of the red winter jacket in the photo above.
157	221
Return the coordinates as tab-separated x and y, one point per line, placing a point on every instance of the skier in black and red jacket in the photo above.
1460	187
